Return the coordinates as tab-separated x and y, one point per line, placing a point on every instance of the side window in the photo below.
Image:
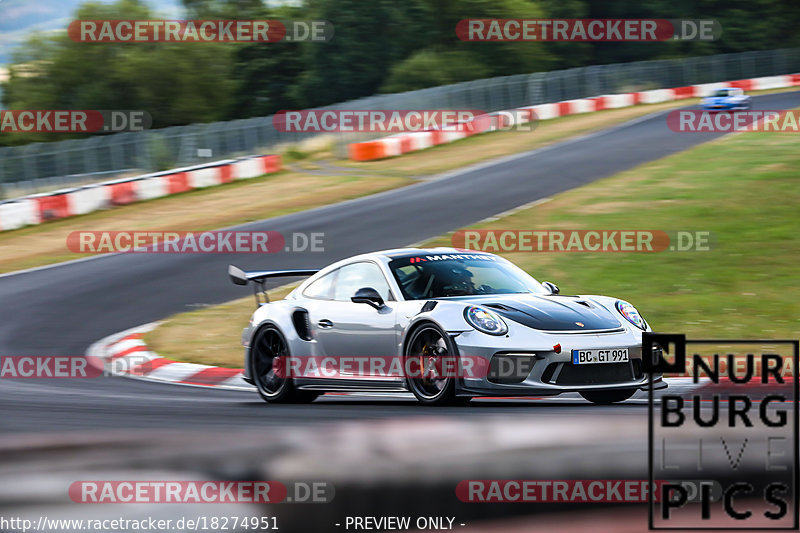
357	276
321	288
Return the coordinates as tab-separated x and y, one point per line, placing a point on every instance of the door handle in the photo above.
325	324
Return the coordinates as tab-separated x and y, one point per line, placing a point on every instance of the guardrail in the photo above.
38	208
188	145
400	144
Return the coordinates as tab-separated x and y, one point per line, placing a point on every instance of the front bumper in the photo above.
724	107
523	370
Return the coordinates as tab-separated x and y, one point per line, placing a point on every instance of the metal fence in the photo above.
184	145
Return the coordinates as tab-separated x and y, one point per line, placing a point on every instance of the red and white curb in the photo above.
126	354
399	144
38	208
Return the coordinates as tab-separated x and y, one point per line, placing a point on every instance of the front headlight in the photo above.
485	321
631	314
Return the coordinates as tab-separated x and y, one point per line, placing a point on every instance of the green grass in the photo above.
745	189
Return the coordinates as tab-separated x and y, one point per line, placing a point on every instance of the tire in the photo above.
607	397
269	353
432	346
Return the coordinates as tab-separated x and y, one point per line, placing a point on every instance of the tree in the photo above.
428	68
177	83
447	59
369	38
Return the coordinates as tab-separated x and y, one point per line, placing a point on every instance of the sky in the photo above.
20	17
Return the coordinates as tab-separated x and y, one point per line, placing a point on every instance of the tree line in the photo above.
380	46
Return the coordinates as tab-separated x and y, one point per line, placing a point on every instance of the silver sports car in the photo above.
444	324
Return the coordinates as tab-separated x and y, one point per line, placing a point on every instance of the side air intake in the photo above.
301	324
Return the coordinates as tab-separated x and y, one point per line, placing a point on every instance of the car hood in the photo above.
552	313
717	100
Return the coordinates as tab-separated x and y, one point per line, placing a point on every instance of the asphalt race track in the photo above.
63	309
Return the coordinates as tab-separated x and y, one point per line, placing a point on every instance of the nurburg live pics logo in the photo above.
736	430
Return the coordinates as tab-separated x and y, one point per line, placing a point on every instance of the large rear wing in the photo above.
260	277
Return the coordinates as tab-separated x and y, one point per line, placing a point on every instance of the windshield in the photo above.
721	93
444	275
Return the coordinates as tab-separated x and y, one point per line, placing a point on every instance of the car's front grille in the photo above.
510	368
637	368
594	374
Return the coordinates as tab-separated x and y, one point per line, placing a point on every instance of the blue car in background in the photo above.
726	99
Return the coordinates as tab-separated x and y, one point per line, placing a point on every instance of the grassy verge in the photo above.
212	208
743	188
209	336
298	189
281	193
502	143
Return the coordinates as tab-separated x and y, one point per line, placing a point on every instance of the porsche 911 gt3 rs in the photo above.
446	325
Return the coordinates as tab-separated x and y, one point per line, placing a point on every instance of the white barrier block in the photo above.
450	136
248	168
421	140
391	146
88	200
771	82
546	111
581	105
656	96
204	177
706	89
15	215
615	101
150	188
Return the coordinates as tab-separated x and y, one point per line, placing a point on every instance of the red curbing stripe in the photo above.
146	368
212	376
226	173
133	349
53	207
123	193
745	85
600	103
683	92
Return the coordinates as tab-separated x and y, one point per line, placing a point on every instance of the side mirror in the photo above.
369	296
552	287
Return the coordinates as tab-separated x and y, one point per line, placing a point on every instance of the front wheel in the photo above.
269	364
430	357
607	397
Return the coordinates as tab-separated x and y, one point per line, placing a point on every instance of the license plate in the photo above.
595	356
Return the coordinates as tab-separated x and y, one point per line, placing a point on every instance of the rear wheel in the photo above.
431	359
269	364
607	397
